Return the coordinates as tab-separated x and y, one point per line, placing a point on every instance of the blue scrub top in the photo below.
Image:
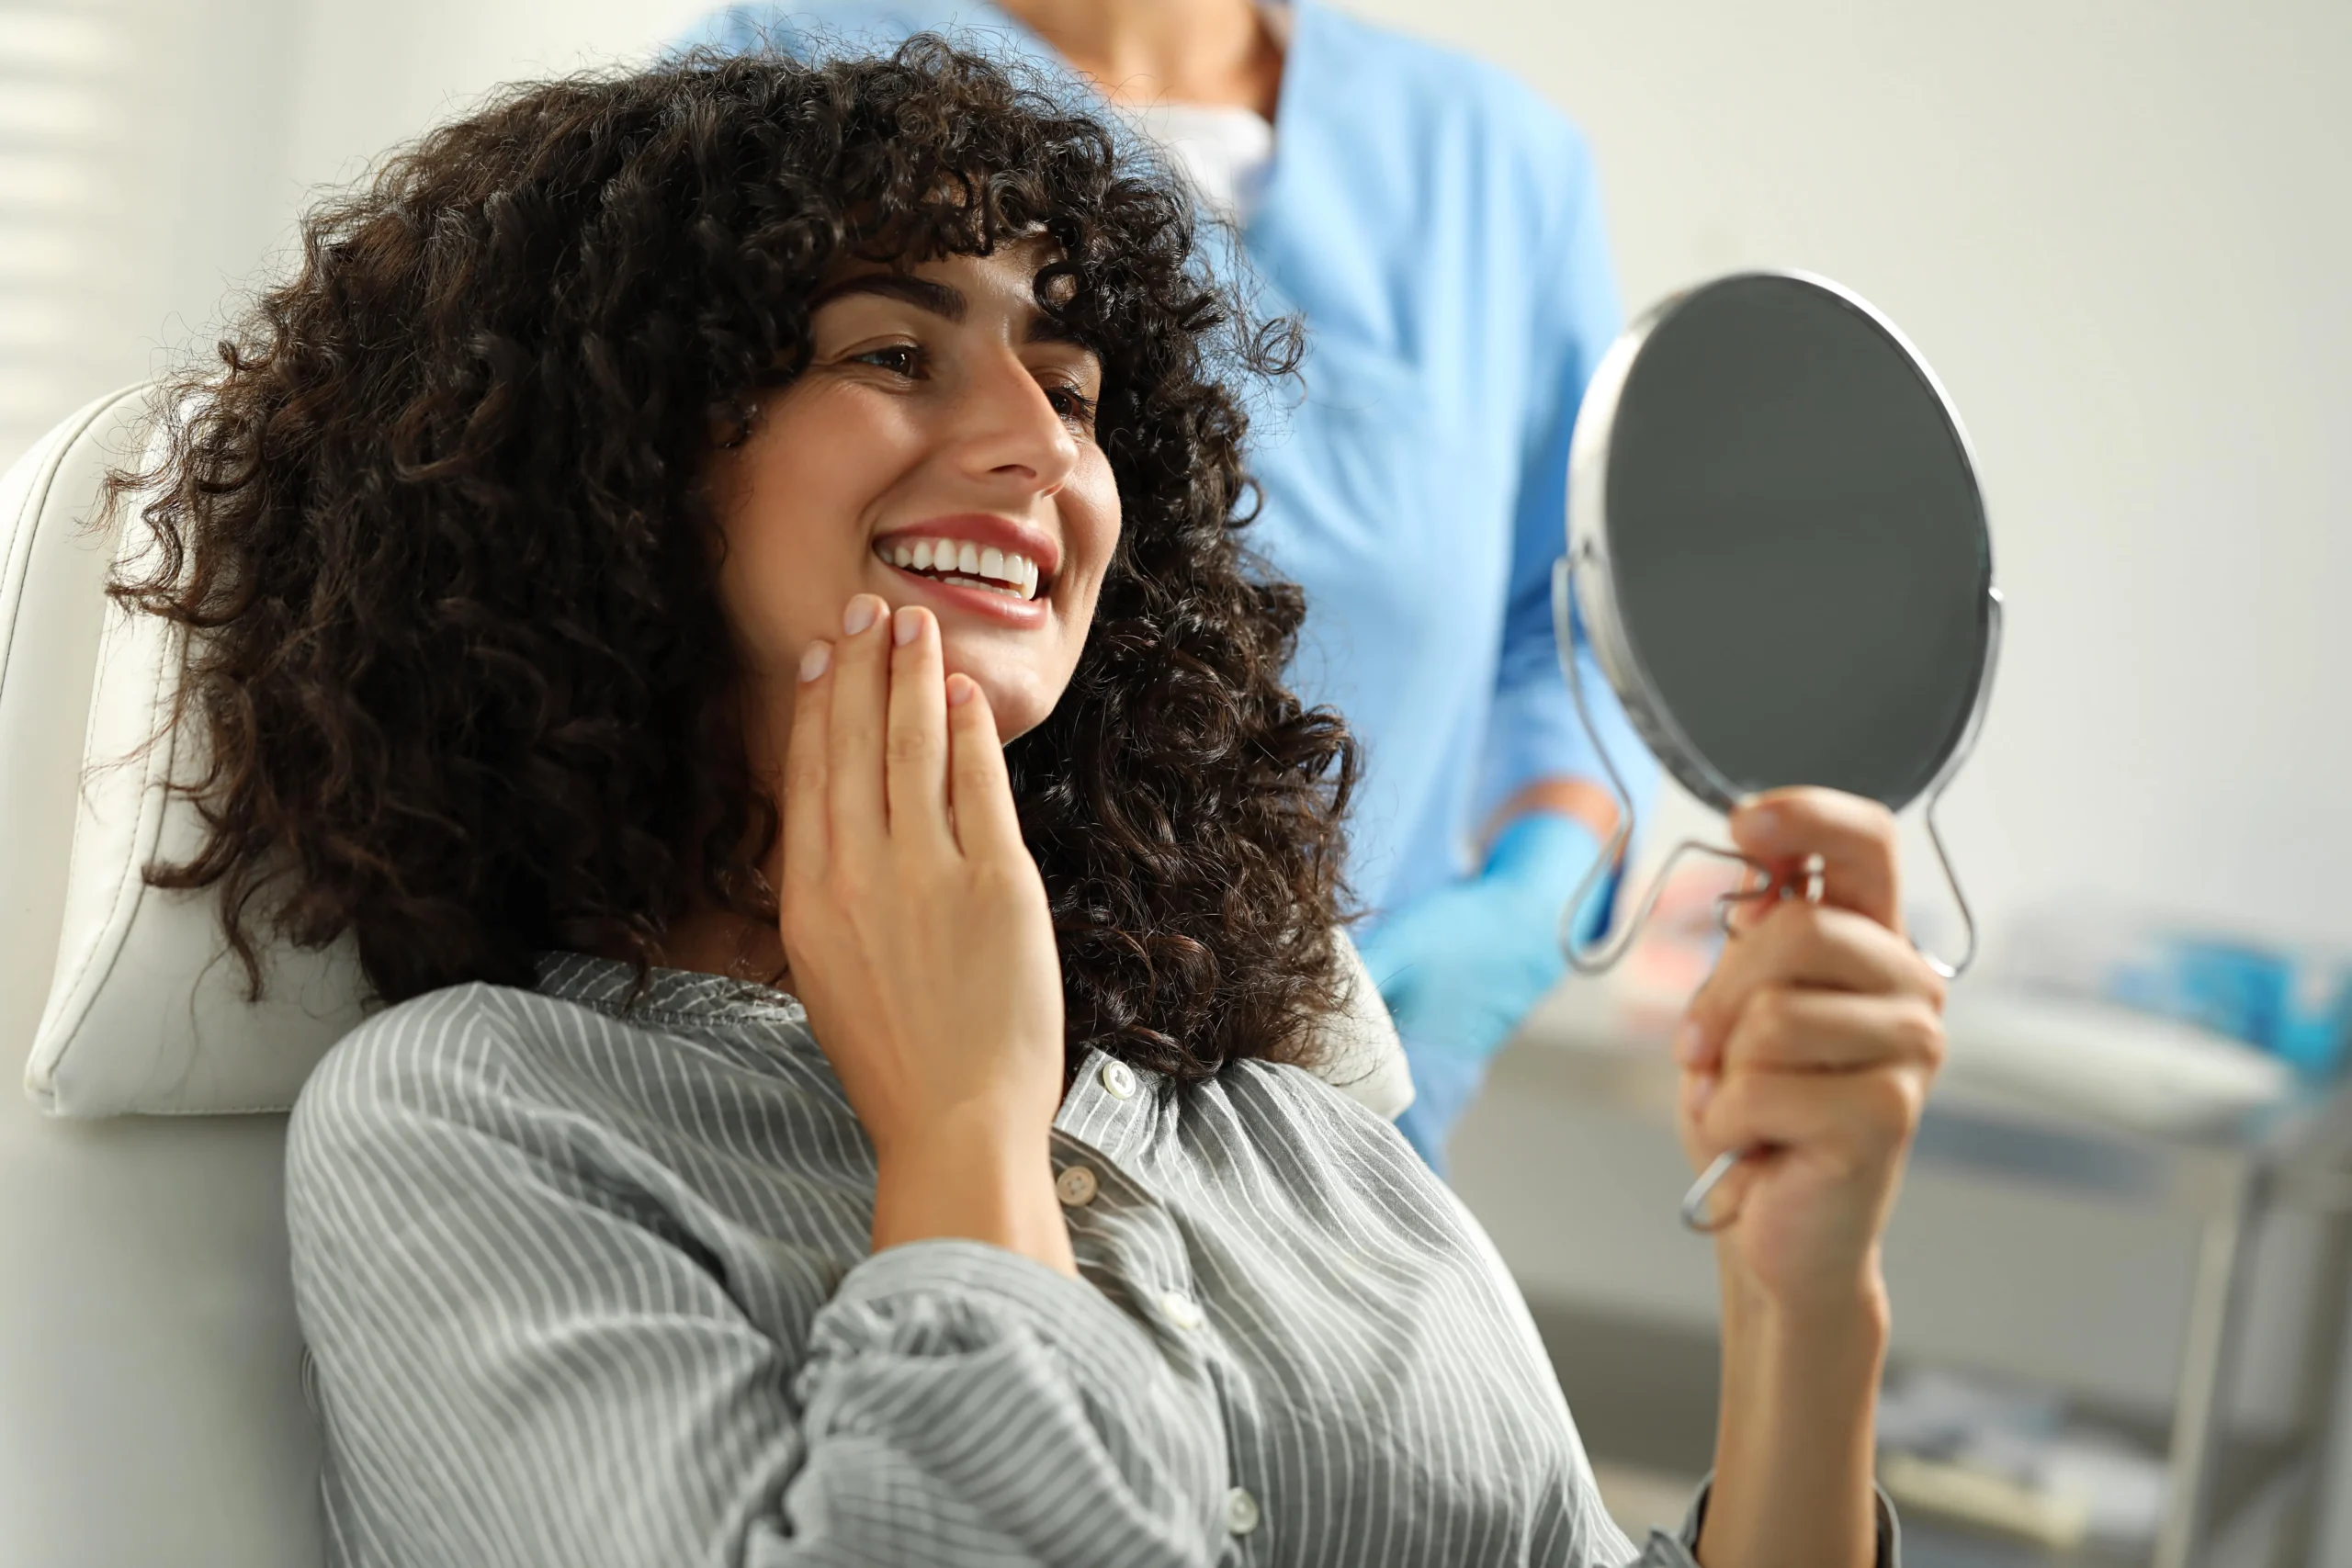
1438	228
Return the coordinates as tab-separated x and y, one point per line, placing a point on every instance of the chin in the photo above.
1019	698
1017	713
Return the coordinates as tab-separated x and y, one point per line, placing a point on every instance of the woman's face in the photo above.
939	450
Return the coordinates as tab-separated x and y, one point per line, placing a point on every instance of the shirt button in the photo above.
1119	1079
1074	1186
1181	1310
1241	1511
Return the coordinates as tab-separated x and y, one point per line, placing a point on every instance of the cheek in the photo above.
791	514
1091	520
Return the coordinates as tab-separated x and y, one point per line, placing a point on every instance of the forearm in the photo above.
977	1183
1461	965
1794	1434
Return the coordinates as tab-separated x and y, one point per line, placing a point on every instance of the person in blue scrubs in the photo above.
1439	228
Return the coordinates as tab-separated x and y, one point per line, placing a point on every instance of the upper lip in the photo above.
987	528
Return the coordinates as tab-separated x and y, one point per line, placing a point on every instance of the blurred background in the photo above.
2119	231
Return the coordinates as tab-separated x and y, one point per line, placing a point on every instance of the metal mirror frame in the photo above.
1583	590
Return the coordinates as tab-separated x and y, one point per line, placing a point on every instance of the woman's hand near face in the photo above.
1813	1043
916	928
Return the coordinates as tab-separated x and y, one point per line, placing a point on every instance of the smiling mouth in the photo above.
964	564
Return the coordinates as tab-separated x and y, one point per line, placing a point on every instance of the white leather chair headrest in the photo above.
147	1009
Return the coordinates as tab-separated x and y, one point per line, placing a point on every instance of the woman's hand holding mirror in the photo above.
1811	1047
916	930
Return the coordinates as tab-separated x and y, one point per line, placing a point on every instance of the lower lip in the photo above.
1004	608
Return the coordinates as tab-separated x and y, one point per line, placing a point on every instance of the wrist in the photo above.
1543	850
1579	800
1849	1295
1808	1358
1828	1345
1544	858
974	1178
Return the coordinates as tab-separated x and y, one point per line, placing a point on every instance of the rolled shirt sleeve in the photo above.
943	1398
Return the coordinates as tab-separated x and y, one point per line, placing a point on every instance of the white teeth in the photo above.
952	560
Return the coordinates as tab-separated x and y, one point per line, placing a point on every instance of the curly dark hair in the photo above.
436	531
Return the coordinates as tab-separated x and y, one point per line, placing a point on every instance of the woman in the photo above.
808	1128
1439	228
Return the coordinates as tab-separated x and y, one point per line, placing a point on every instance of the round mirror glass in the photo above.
1780	545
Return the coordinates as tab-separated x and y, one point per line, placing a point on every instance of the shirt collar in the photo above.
610	986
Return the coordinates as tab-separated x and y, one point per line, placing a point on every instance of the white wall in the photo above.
209	121
373	73
139	141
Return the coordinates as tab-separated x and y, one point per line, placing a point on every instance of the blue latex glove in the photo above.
1460	967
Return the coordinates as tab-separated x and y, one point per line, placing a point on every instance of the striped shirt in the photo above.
591	1285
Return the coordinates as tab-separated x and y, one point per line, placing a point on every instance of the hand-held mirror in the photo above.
1778	555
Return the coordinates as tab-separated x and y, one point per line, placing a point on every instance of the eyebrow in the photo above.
940	300
937	298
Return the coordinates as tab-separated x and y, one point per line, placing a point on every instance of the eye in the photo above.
899	358
1070	403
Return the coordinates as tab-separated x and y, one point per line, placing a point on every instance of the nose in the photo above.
1008	431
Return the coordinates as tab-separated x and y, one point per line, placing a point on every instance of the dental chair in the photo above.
152	1401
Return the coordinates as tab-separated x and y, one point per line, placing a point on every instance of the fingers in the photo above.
1853	1119
861	692
806	841
1792	1032
979	790
1855	838
883	747
1802	945
917	765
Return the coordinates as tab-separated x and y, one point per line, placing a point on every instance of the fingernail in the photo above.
1690	1040
815	658
859	615
906	625
1763	823
959	690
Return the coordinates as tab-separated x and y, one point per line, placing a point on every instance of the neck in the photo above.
718	940
1144	51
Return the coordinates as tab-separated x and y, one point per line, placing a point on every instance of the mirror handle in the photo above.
1994	612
